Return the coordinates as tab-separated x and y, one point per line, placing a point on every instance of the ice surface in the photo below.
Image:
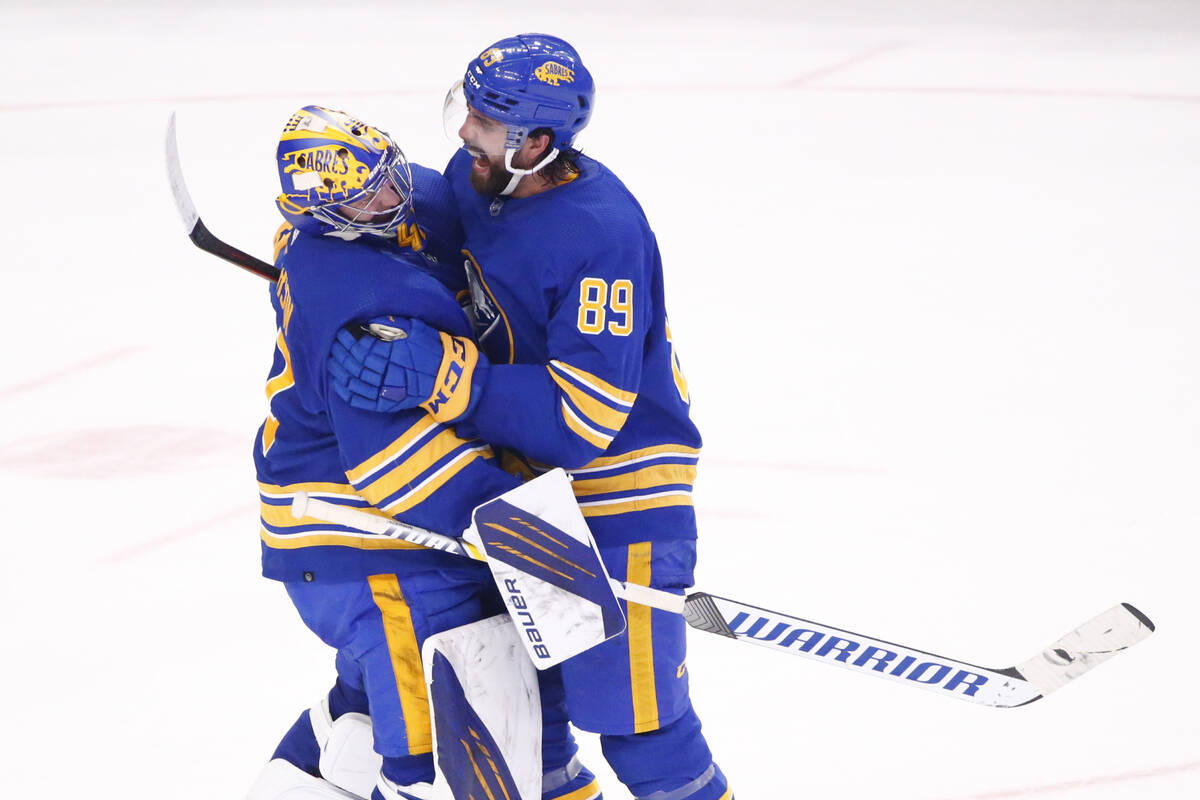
932	270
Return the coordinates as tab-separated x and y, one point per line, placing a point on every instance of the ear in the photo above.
535	148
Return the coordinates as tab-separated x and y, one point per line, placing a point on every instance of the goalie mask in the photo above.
341	177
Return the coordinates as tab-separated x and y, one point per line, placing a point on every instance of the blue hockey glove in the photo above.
401	363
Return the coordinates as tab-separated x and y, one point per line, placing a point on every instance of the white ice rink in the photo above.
934	272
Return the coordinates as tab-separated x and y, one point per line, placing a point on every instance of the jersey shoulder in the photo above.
334	282
594	207
437	216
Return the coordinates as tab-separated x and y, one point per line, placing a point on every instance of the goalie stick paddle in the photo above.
196	230
1075	653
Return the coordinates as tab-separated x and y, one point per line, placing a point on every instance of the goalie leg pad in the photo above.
486	711
348	758
299	746
280	780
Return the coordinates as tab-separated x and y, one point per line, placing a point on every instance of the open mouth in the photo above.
481	164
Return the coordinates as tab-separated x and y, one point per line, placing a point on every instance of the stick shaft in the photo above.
305	506
197	231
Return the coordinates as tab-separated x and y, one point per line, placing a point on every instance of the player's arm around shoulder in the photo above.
408	465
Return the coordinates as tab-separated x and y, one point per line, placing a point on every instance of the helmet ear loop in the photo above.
518	173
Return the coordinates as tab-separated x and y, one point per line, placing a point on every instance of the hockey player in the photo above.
350	197
578	370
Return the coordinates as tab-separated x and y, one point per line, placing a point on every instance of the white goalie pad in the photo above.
546	565
281	780
486	714
348	757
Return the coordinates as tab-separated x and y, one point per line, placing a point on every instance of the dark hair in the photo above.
565	165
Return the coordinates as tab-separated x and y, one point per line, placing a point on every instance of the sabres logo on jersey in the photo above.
488	321
552	72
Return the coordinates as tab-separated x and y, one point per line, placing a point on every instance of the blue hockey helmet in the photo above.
341	177
532	81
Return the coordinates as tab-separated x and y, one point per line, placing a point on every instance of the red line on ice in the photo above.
1013	91
1083	783
202	98
67	372
800	83
820	72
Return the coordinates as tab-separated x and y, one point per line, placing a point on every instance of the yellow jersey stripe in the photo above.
601	387
408	470
406	661
595	410
608	508
270	429
644	478
641	644
634	456
283	238
284	380
329	538
582	429
437	479
393	451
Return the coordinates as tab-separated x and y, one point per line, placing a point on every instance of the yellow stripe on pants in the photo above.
406	661
641	644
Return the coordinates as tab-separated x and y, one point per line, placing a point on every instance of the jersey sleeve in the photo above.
410	467
567	411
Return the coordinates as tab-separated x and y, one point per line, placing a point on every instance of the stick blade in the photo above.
179	190
1086	647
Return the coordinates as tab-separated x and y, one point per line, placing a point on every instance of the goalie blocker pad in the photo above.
548	570
486	712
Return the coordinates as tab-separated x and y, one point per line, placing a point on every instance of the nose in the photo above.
384	199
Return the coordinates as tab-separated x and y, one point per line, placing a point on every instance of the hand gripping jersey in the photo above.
567	289
402	465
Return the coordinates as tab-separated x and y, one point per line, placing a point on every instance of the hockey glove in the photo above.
400	363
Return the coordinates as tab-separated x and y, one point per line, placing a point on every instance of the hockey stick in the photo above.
196	230
303	505
1075	653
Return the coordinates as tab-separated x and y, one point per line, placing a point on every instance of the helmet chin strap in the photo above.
518	173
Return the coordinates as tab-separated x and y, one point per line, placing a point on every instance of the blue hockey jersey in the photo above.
405	465
567	293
